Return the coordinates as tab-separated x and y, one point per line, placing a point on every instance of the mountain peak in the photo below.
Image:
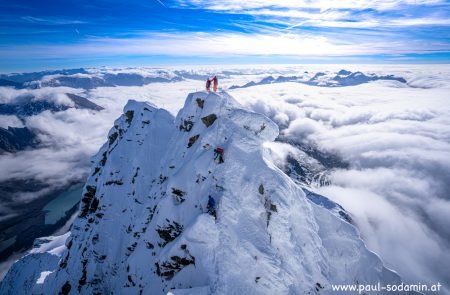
144	226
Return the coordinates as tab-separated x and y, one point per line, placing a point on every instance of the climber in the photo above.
218	155
211	206
215	83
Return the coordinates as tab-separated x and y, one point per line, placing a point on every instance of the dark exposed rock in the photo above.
162	178
270	208
131	280
96	170
168	269
179	195
83	279
69	243
112	138
192	140
116	182
135	175
273	207
186	125
132	247
103	159
169	232
209	120
200	102
84	103
94	205
129	114
261	189
86	200
16	139
65	290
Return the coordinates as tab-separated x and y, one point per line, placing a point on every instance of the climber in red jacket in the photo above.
215	83
218	155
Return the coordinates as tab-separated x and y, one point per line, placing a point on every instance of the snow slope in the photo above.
142	226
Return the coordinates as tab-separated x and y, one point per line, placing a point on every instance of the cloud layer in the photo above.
395	136
397	142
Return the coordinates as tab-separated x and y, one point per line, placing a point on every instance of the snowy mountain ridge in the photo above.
143	226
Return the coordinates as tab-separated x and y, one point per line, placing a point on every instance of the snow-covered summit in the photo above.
143	226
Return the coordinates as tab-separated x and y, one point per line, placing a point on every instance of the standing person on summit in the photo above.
215	84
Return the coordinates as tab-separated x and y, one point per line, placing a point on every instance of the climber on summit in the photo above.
211	206
215	83
218	155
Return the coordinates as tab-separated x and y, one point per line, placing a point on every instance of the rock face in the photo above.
83	103
143	226
16	139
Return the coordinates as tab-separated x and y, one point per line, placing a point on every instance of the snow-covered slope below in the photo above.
143	226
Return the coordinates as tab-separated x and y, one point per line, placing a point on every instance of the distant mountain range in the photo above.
27	105
341	79
81	78
90	79
4	82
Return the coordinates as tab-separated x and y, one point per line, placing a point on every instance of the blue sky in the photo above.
62	34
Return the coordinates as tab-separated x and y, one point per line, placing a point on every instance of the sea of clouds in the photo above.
395	137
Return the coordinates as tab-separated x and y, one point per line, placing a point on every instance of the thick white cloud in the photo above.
10	120
396	233
54	95
396	139
303	127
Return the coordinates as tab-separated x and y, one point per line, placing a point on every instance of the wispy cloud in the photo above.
200	28
237	5
334	14
51	21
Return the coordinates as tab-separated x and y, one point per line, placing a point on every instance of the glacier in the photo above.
142	226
